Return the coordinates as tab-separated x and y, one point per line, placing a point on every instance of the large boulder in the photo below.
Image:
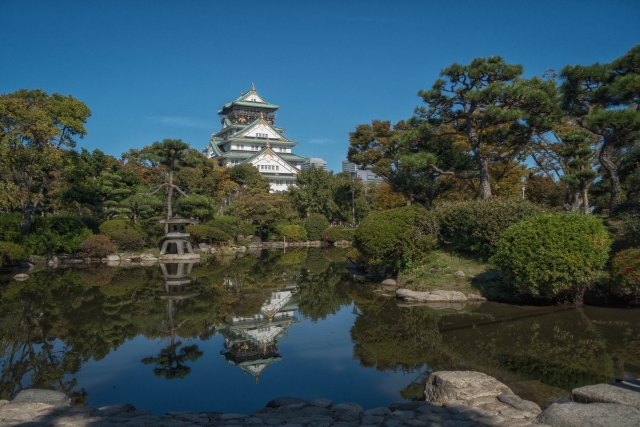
444	386
49	397
606	393
433	296
572	414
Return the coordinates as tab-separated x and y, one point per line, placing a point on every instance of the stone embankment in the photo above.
453	399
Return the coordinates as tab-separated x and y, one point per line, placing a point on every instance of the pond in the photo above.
231	334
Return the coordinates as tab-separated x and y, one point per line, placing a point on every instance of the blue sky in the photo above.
151	70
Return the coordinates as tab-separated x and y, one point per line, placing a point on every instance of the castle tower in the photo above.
249	135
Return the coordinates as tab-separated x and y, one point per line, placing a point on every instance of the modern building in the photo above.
365	174
249	136
316	162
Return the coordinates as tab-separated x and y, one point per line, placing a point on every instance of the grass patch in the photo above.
479	275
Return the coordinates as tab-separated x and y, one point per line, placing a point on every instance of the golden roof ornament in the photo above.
253	87
267	144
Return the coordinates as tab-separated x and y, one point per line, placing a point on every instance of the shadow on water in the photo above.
57	321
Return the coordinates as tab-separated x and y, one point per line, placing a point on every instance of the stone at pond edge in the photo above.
460	273
433	296
322	403
573	414
283	401
49	397
518	403
606	393
446	386
389	282
435	270
20	277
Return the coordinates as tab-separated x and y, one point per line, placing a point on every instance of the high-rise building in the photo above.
365	174
249	136
316	162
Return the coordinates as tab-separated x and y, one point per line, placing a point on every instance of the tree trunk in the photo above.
169	197
585	200
485	178
27	218
612	170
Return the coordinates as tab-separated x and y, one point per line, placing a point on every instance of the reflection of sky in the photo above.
317	362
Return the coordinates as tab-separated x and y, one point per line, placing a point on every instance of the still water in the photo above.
231	334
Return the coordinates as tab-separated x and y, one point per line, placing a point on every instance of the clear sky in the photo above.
157	69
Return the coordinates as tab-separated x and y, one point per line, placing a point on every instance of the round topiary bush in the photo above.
625	272
207	234
111	226
97	246
128	240
294	233
396	237
476	226
552	254
11	253
315	224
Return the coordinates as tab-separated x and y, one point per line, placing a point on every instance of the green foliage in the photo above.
625	272
476	226
250	178
113	225
128	239
396	238
54	234
553	253
294	233
11	253
315	224
97	246
338	233
10	227
206	234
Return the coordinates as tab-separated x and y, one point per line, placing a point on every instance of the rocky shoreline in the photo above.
452	399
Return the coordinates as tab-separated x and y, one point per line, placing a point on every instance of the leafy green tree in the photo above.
249	177
314	193
493	108
604	99
35	129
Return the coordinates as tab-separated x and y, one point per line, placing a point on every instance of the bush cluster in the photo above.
625	272
338	233
396	238
206	234
127	236
97	246
553	253
315	224
294	233
476	226
55	234
11	253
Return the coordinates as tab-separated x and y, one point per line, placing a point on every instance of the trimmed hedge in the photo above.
206	234
553	253
476	226
396	238
128	240
338	233
295	233
97	246
111	226
11	253
315	224
625	272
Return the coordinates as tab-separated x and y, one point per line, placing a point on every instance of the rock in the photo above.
21	277
445	386
49	397
407	406
322	403
433	296
402	415
22	412
572	414
283	401
475	297
382	411
348	406
227	417
520	404
459	273
113	258
389	282
3	402
204	247
606	393
372	419
112	410
435	270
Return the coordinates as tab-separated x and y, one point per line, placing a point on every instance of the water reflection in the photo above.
57	322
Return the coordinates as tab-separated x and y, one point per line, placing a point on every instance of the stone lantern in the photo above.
175	244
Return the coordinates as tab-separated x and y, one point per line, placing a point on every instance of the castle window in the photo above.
261	135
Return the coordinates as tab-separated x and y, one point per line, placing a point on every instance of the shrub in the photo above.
97	246
625	272
128	240
476	226
338	233
11	253
54	234
113	225
10	227
295	233
315	224
206	234
553	253
396	237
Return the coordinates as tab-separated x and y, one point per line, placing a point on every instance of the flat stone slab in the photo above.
572	414
432	296
606	393
284	401
446	386
49	397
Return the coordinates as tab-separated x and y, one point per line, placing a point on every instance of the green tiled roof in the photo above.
241	101
291	156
